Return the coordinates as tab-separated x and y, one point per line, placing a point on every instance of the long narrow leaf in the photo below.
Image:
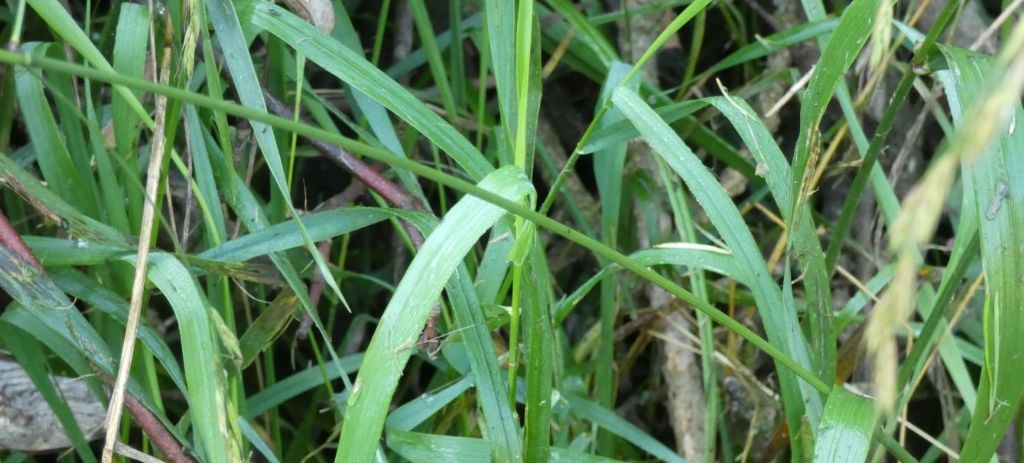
846	426
360	74
403	319
781	325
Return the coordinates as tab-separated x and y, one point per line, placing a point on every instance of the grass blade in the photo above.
492	392
201	353
991	178
236	54
403	320
52	156
844	434
360	74
837	56
540	354
287	235
416	411
782	327
611	422
288	388
804	238
85	289
415	446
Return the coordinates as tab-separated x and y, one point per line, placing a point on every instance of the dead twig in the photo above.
158	435
117	397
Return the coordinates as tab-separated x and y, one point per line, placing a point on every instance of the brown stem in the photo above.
160	437
391	192
316	286
143	417
394	194
158	434
316	290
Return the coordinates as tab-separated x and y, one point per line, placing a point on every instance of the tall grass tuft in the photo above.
511	231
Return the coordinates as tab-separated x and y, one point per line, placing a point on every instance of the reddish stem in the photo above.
9	237
158	434
391	192
143	417
160	437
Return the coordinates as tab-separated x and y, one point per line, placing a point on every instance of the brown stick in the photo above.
153	428
158	434
118	394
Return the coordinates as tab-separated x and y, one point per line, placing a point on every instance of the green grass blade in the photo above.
491	389
500	26
952	358
403	319
696	256
772	43
415	446
254	438
965	252
288	388
991	177
202	356
844	434
782	326
360	74
55	208
286	235
611	422
55	163
437	68
267	327
416	411
540	354
622	130
85	289
215	231
494	263
608	167
804	238
236	55
129	58
590	35
843	48
56	252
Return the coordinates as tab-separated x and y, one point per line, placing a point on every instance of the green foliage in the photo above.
522	302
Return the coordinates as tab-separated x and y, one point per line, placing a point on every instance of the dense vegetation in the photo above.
678	230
